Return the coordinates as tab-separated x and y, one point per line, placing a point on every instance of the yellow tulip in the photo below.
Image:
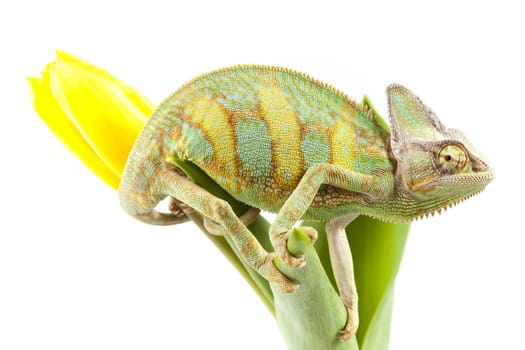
95	115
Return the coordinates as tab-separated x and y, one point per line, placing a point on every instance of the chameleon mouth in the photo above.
477	182
447	206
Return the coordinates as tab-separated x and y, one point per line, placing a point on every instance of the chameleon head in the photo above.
436	167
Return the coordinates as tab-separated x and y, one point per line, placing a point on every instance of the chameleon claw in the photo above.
178	208
288	287
351	325
291	260
276	277
310	232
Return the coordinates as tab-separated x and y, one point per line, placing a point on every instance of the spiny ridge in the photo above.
450	205
290	71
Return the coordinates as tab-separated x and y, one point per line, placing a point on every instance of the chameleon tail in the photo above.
140	192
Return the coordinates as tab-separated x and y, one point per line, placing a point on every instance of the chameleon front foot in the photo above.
291	260
275	276
352	322
285	255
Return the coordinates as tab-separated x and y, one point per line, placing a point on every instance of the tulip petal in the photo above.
52	114
139	100
108	113
64	56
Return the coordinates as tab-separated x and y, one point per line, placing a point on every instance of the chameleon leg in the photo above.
370	186
246	218
220	211
343	267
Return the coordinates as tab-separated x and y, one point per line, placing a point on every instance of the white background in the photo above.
77	273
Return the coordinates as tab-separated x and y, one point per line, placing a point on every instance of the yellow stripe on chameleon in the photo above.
213	120
283	126
343	144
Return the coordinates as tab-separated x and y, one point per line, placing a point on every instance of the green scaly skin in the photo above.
281	141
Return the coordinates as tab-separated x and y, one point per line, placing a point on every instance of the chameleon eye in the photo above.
452	158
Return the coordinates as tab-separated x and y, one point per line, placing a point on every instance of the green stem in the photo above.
312	316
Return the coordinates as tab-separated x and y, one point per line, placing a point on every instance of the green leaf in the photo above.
377	249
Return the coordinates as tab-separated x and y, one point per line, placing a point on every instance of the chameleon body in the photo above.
283	142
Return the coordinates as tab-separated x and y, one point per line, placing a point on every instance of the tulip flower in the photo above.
98	118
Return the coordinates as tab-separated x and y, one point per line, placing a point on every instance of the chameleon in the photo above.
283	142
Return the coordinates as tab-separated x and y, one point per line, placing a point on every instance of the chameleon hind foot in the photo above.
178	208
352	322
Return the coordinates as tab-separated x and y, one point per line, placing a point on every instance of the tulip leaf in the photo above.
377	249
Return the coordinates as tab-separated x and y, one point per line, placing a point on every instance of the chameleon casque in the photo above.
283	142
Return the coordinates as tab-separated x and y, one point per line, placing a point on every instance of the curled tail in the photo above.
143	182
140	201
